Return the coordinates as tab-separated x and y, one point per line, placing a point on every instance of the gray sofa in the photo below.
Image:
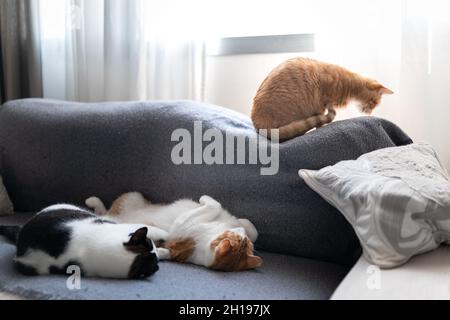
54	151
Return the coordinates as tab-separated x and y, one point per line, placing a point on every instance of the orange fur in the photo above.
116	207
234	253
180	250
302	94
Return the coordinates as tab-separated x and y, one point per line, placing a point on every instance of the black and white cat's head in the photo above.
146	261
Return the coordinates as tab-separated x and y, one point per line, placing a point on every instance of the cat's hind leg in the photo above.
208	201
205	213
97	205
208	211
327	117
130	201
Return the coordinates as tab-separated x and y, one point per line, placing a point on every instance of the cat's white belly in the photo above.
156	215
202	255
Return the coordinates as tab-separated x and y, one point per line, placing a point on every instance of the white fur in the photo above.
61	206
203	221
250	229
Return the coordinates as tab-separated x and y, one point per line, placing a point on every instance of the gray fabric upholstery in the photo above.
6	206
281	277
65	152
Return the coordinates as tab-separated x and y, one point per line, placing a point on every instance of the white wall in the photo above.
232	81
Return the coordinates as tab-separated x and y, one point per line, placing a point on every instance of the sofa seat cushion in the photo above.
281	277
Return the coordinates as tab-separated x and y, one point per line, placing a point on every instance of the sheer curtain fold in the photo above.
402	43
111	53
20	59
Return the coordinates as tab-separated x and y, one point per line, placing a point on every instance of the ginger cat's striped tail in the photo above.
300	127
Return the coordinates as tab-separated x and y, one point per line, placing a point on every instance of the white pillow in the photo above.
6	206
397	200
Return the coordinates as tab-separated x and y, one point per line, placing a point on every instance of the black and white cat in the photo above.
63	235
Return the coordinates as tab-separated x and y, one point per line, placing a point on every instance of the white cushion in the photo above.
397	200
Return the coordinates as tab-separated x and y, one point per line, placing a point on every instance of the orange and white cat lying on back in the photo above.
200	233
295	96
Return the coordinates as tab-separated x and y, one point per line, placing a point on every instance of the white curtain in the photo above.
405	44
99	50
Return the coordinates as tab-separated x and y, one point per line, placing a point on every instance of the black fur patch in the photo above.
146	262
10	233
160	243
26	270
143	266
102	221
47	231
63	270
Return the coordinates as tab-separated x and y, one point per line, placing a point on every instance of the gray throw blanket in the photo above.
55	151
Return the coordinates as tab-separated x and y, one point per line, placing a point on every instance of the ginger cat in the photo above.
295	96
201	233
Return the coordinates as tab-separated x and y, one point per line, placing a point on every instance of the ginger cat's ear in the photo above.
224	247
384	90
254	262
